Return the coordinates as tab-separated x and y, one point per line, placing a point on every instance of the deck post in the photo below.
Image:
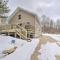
15	35
8	33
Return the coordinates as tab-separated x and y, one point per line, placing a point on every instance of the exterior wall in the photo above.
37	28
25	17
2	21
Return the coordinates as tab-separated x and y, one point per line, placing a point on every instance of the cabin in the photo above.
23	23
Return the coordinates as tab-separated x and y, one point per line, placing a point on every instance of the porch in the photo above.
17	31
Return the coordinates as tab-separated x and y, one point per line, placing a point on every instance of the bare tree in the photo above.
51	23
58	24
3	7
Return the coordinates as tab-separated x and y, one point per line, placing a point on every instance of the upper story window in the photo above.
28	23
19	16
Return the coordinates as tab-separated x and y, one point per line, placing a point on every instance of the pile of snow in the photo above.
24	49
49	51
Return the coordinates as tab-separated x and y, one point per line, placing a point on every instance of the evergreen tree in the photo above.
3	7
58	23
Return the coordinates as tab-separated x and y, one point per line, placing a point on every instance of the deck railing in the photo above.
18	29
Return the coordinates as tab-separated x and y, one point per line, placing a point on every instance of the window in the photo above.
28	26
19	16
28	23
20	24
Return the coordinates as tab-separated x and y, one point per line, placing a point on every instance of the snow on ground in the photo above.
24	49
49	51
54	36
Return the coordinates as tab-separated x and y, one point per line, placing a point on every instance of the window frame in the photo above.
19	16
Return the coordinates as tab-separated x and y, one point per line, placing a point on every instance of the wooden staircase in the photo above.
18	30
22	32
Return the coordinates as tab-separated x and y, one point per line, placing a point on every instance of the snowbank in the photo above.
24	49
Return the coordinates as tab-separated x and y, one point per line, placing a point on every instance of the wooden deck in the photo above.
17	29
20	31
10	30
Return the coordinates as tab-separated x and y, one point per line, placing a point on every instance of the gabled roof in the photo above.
23	9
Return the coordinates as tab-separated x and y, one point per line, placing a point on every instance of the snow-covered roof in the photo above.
23	9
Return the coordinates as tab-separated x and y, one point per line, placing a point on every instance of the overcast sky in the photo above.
50	8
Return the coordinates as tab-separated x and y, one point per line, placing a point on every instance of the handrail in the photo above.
6	27
19	33
21	27
23	30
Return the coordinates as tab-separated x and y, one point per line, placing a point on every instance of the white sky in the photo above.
51	8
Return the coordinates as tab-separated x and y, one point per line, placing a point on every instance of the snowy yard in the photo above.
24	49
50	49
54	36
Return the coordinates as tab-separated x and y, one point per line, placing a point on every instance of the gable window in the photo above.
19	16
